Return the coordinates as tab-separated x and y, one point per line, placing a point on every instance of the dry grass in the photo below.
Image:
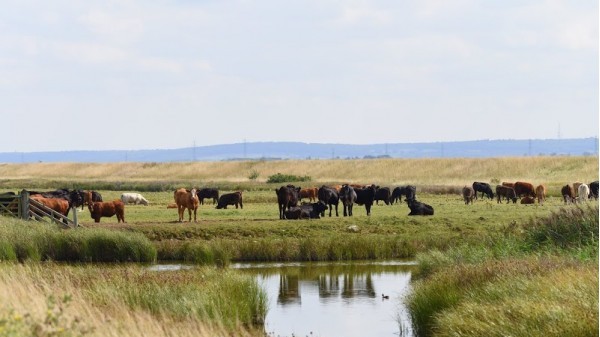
456	171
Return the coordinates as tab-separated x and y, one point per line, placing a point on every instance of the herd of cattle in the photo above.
289	199
578	192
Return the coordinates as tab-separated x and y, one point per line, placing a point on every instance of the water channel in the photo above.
335	299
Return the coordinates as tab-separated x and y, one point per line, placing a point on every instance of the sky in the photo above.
128	75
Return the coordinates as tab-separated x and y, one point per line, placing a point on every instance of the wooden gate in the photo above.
21	206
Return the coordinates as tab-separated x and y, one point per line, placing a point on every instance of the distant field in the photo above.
553	171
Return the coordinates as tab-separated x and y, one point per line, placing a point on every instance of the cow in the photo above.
583	193
234	198
382	193
594	189
419	208
568	194
58	205
576	189
468	194
484	188
307	211
310	193
208	193
330	197
527	200
107	209
507	192
287	196
365	196
90	196
540	192
524	189
133	198
185	198
507	184
409	191
348	198
172	205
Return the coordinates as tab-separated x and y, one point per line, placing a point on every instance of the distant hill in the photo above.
298	150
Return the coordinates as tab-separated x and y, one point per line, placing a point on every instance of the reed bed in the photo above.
514	284
52	300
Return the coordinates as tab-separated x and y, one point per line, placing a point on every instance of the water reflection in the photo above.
335	299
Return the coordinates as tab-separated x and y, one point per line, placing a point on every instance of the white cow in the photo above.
133	198
583	192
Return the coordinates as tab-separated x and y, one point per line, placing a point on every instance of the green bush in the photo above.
287	178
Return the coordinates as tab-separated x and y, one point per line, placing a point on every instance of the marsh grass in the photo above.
52	300
502	284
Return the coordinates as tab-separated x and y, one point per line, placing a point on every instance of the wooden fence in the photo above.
23	207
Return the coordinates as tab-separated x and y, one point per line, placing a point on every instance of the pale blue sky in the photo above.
98	75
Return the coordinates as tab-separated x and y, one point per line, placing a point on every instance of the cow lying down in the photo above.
418	208
306	211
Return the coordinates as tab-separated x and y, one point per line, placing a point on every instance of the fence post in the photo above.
75	222
24	205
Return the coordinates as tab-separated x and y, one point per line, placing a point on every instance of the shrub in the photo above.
286	178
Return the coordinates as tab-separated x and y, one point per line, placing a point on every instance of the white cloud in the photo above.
113	26
91	53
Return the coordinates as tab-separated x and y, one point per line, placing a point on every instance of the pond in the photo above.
335	299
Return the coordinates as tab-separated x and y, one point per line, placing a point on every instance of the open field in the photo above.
477	257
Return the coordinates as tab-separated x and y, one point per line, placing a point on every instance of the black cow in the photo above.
409	191
366	196
72	197
330	197
593	189
484	188
382	193
234	198
348	198
208	193
306	211
418	208
287	196
505	192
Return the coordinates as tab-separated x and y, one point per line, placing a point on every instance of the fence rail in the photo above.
23	207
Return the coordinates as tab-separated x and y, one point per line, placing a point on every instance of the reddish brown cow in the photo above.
511	185
58	205
528	200
540	191
310	193
524	189
568	194
186	199
107	209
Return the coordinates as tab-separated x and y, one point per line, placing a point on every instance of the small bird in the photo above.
385	297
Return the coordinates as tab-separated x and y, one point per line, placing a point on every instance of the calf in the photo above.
540	192
365	196
418	208
468	194
107	209
505	192
234	198
308	211
528	200
484	188
382	193
330	197
408	191
348	198
568	194
208	193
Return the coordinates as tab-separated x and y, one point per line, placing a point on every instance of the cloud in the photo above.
113	26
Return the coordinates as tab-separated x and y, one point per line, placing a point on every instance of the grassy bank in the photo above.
538	279
53	300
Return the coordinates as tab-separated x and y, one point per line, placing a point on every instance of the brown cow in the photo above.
524	189
310	193
528	200
186	199
468	194
56	204
107	209
511	185
568	194
172	205
540	191
505	192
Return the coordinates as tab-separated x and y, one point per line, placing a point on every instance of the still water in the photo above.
335	299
